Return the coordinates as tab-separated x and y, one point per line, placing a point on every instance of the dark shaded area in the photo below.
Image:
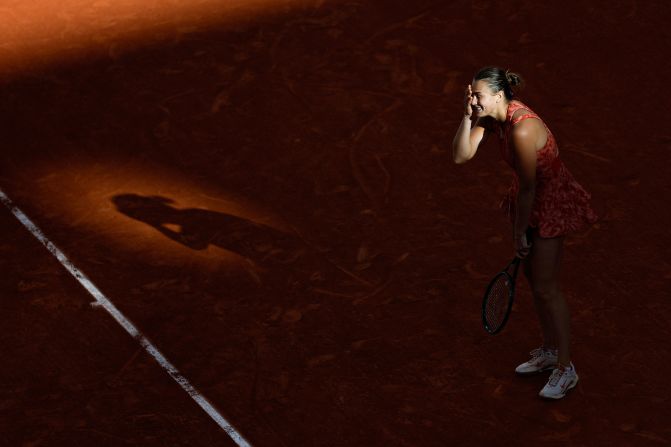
70	376
340	117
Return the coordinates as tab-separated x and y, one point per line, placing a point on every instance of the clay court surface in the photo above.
266	190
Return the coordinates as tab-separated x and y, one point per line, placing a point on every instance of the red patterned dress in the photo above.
560	205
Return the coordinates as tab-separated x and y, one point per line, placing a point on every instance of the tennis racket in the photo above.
499	297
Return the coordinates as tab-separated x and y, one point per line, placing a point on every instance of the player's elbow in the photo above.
462	156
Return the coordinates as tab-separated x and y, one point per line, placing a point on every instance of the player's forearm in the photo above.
525	200
461	145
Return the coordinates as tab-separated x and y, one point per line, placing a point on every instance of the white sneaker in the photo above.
563	378
542	359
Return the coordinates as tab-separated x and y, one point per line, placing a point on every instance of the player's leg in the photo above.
545	357
544	270
545	286
547	329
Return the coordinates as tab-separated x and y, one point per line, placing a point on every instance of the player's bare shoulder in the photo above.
530	128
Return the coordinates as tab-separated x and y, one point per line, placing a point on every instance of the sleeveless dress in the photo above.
560	204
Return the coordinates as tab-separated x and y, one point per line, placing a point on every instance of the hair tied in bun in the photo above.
499	79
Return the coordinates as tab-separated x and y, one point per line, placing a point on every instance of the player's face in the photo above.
484	100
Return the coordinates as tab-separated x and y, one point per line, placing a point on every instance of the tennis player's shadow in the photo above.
199	228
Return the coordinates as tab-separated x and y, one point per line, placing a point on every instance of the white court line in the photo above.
126	324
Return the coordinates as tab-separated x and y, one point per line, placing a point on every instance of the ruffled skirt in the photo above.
561	205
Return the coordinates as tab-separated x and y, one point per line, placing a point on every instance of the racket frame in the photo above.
515	263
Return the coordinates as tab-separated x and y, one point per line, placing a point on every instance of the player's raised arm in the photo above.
470	135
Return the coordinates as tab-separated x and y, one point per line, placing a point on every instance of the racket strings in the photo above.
496	306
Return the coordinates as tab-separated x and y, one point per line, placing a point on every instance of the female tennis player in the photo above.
544	202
